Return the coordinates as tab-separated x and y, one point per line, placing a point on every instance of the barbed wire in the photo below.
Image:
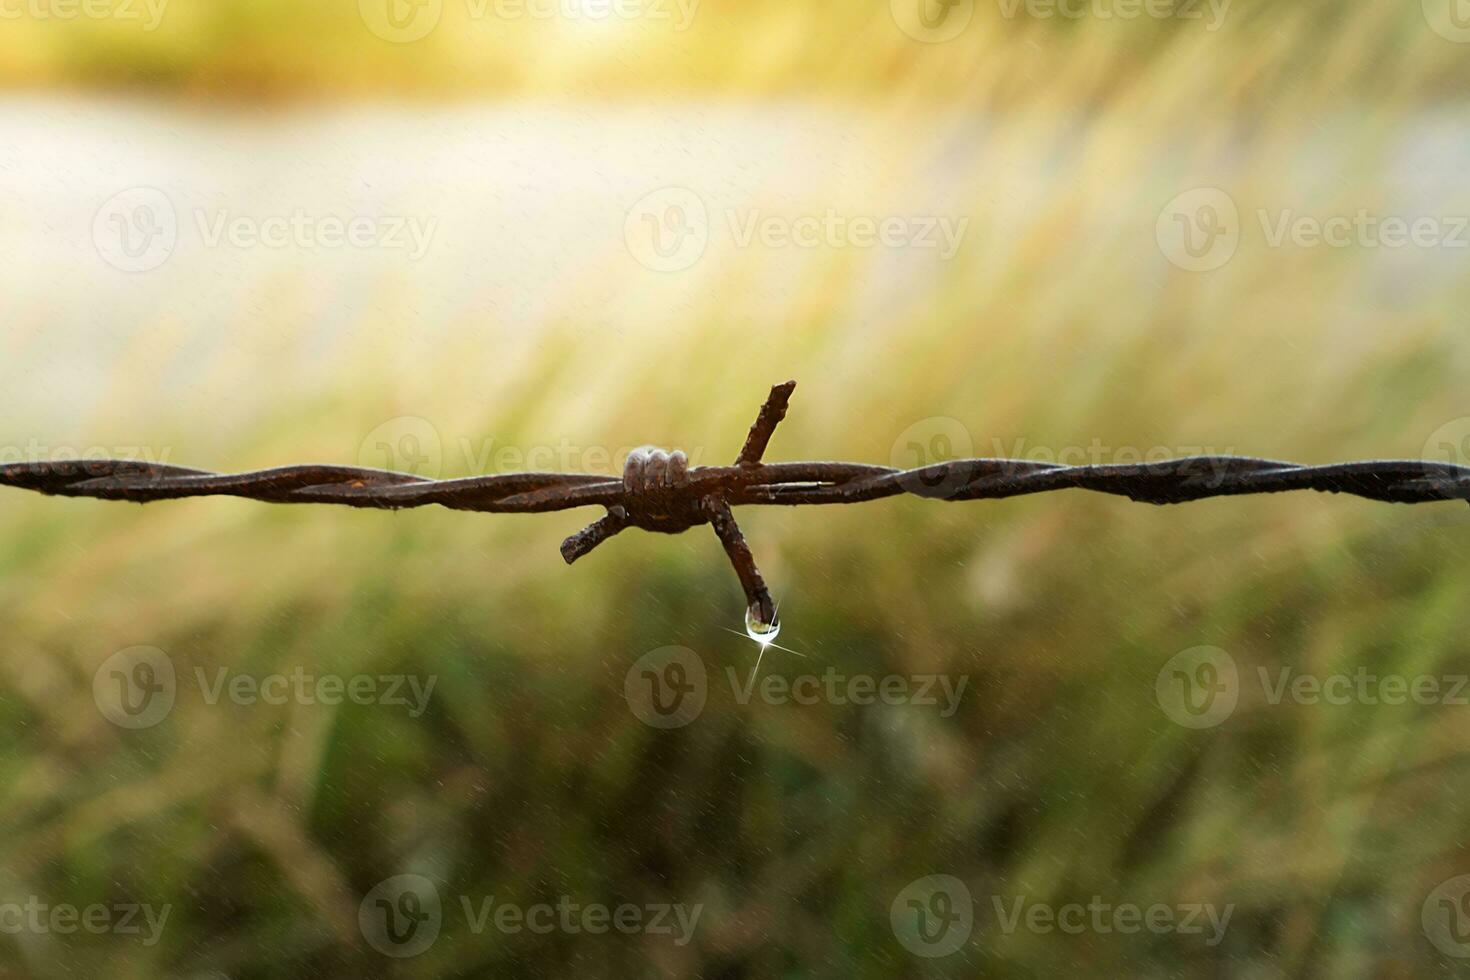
660	492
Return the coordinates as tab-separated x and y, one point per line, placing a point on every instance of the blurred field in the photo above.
1257	53
1060	323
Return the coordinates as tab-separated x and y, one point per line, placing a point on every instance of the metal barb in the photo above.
659	492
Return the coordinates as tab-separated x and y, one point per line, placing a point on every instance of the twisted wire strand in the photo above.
781	484
659	492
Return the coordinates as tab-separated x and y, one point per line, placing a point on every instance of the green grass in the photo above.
1058	779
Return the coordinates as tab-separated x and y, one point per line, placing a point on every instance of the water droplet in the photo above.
759	631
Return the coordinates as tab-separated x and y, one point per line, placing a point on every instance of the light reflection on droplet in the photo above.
762	633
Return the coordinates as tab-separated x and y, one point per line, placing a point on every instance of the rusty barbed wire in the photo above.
660	492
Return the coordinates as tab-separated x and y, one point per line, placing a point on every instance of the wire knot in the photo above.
656	492
658	495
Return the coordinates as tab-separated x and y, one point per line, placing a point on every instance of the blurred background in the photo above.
468	236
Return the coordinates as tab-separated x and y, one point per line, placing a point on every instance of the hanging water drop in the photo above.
759	631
